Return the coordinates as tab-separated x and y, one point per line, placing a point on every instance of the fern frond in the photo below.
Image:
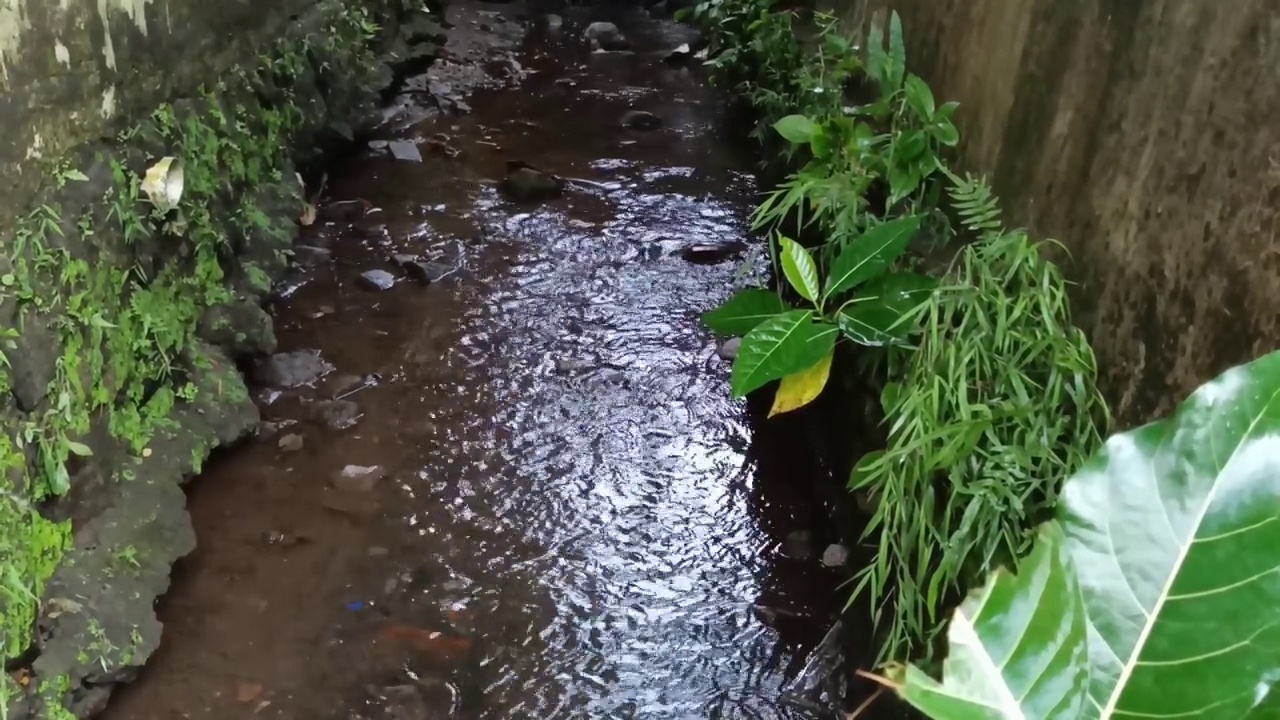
976	204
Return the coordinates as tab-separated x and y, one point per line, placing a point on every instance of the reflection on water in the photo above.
571	526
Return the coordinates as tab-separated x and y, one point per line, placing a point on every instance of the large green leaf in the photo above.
1018	649
881	314
800	269
778	347
741	313
1173	531
871	254
795	128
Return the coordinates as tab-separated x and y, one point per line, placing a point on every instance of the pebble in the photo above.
291	369
337	414
835	556
358	478
728	350
378	279
641	120
291	442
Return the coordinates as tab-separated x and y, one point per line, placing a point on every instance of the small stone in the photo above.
835	556
527	184
291	369
427	272
641	120
710	253
606	36
357	478
291	443
378	279
680	55
377	551
554	22
728	350
404	150
337	414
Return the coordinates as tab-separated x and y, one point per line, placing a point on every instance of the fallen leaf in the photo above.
799	389
247	692
22	677
308	215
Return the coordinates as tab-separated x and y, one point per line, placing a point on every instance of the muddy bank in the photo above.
508	480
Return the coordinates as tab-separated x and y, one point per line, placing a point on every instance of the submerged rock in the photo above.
641	120
336	414
681	55
710	253
378	279
291	442
291	369
554	22
606	36
357	478
728	350
835	556
528	184
798	545
310	255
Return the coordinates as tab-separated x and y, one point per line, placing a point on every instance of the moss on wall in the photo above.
122	319
1143	135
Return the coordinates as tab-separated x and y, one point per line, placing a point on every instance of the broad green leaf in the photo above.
1172	531
871	254
795	128
1018	648
741	313
80	449
919	95
945	132
801	388
779	346
800	269
881	314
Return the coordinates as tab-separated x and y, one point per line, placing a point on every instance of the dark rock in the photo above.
342	211
404	150
378	279
240	327
342	384
682	55
310	255
798	545
336	414
641	120
606	36
527	184
711	253
729	349
357	478
428	272
291	369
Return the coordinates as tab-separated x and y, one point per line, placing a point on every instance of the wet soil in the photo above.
568	516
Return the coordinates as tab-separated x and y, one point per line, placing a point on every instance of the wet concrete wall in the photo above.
1145	136
70	67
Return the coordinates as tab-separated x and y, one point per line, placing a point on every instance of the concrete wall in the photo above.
70	67
1143	134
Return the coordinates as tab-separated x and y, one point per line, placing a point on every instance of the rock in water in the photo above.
554	22
336	414
378	279
641	120
291	369
729	350
527	184
835	556
606	36
710	253
680	56
358	478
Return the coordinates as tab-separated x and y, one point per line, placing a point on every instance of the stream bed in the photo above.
513	484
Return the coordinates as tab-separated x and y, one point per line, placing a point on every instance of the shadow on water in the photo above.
570	518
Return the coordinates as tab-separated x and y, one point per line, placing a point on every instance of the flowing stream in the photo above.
569	517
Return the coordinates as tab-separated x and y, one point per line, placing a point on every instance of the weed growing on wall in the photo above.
120	288
989	392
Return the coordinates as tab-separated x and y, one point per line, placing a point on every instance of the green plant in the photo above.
1152	593
855	296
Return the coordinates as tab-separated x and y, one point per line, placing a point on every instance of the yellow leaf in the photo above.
799	389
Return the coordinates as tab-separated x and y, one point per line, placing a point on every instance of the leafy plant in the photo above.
854	296
1152	593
